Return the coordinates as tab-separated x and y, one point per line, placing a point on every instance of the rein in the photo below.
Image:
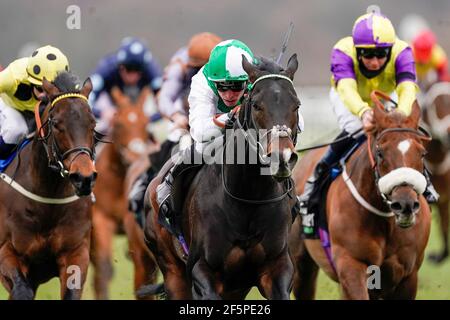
282	131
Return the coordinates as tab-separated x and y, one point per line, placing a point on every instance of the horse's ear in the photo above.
251	70
379	116
87	88
50	89
119	98
145	92
414	117
292	66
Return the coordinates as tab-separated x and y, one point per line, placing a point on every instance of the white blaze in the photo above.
404	146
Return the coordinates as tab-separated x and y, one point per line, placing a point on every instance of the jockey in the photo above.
429	56
372	58
216	89
21	89
184	64
130	69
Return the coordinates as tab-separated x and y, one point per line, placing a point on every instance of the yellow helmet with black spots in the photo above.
46	62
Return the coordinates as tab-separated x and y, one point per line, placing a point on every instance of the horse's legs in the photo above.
176	285
275	281
352	277
12	277
406	290
73	268
144	264
305	277
444	224
103	232
203	281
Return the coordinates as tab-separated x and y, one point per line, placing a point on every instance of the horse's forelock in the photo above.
67	82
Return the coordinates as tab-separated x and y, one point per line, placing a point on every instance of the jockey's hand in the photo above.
368	121
180	120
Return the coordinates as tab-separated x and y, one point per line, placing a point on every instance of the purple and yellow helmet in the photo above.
373	30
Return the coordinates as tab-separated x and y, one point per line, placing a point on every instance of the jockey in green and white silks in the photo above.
216	89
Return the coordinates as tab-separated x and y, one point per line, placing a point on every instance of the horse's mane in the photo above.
67	82
268	65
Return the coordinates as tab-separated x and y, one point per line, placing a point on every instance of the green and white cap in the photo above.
225	61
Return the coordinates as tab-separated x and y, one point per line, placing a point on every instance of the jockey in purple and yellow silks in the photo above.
373	58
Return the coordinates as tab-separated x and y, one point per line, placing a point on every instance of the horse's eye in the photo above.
256	107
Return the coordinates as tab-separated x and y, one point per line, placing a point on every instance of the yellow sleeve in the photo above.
348	92
7	82
406	92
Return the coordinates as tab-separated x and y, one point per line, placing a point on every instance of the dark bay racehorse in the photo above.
436	114
45	229
235	219
110	215
389	231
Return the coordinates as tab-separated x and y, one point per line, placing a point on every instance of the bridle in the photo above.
54	154
276	131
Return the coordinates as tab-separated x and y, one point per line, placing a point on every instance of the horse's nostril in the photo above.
416	205
94	176
75	177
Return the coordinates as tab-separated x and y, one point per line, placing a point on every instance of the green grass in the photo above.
434	280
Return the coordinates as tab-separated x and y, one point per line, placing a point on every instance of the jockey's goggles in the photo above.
235	86
370	53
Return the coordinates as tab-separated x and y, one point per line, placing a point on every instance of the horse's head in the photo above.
399	153
68	132
129	125
437	112
272	106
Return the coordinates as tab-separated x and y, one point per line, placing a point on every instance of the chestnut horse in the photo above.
236	219
376	214
436	114
45	217
110	211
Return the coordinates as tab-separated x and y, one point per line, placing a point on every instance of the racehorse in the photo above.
110	211
235	219
436	114
45	202
377	218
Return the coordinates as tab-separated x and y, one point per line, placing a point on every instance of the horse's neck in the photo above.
249	181
44	180
363	177
114	160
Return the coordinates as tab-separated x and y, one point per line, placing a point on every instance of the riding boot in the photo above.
187	159
331	157
137	193
311	187
430	192
5	148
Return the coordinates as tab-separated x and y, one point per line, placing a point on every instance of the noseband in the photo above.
55	161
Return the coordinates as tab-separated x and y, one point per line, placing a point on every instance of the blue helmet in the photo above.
133	54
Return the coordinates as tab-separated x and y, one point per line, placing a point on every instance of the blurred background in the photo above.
168	25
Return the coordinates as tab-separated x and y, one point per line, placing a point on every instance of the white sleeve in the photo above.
202	108
170	89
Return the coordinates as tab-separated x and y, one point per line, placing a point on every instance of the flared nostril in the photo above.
76	178
416	206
